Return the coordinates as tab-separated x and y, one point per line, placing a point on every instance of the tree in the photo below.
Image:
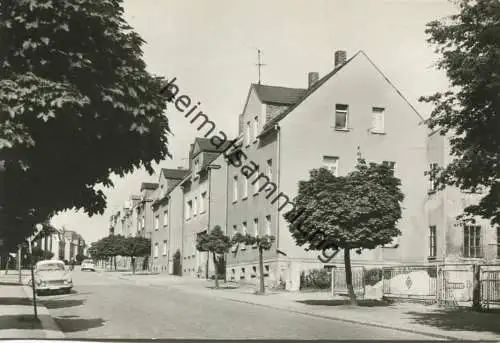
217	243
38	254
469	111
353	212
262	243
73	90
136	247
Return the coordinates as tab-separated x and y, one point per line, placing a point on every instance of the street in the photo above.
104	307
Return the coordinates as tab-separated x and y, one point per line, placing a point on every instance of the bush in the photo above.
372	276
315	279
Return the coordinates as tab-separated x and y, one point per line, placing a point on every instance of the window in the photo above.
247	133
235	188
378	119
472	241
256	183
165	218
143	222
332	164
164	252
244	228
157	222
269	169
432	241
189	209
235	231
156	250
196	166
195	207
391	165
202	202
432	183
245	188
268	225
341	117
256	227
255	127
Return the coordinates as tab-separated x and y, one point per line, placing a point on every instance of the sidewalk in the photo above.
409	317
16	311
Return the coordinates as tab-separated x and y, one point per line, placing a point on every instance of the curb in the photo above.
49	325
339	319
351	321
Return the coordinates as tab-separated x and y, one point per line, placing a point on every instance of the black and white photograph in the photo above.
249	170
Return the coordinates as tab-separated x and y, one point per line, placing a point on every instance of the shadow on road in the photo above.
74	323
465	320
342	302
62	303
15	301
22	322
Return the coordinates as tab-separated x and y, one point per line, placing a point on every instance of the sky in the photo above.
211	48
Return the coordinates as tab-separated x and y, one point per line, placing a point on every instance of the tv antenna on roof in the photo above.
259	64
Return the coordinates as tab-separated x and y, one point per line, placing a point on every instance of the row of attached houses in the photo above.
245	185
63	244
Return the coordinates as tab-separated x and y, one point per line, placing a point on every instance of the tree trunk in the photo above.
133	265
216	276
261	271
348	276
114	261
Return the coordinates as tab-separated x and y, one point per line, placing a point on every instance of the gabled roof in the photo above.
174	174
205	145
278	95
270	124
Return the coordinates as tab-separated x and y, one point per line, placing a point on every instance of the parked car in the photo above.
87	265
51	275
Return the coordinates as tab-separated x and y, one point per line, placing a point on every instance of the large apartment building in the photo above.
283	133
287	132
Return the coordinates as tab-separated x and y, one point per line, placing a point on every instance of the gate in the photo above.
410	282
490	285
455	285
339	285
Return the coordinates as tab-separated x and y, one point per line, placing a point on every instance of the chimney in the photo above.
340	58
313	78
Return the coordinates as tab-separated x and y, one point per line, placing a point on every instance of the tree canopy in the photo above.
74	91
217	243
356	211
469	112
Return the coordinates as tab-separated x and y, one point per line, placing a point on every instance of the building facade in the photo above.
353	109
449	239
165	225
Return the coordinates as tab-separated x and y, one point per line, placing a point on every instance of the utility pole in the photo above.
19	262
259	64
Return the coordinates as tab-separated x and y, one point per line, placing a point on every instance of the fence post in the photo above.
476	287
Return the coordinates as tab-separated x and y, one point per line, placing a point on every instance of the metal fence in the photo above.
490	285
339	285
449	285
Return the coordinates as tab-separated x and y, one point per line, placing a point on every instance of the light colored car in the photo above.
87	265
51	275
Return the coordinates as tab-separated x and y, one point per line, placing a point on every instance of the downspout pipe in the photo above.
278	152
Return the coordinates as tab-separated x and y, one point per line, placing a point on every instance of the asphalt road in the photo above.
103	307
